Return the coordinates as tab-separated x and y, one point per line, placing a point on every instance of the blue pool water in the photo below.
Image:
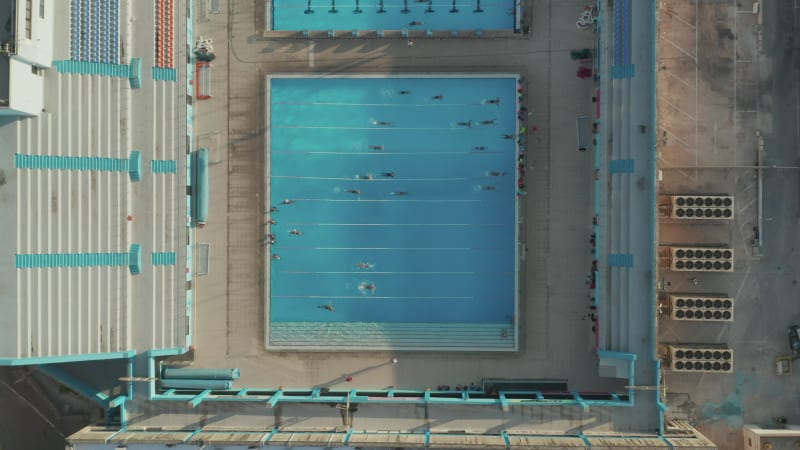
443	253
392	14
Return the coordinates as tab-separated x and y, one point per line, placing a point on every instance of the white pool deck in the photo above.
51	312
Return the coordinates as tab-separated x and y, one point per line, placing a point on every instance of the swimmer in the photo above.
367	287
416	22
495	173
467	124
489	187
273	209
479	148
438	97
365	265
365	177
273	222
406	92
328	307
494	101
508	136
488	122
287	201
387	174
376	147
353	191
399	193
295	232
276	256
383	123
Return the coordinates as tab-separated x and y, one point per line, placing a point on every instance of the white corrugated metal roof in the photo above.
52	311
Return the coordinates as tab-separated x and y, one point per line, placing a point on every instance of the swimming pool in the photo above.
399	228
393	14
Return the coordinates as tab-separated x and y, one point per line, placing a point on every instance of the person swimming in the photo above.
467	124
383	123
479	148
376	147
327	307
367	287
399	193
438	97
273	209
489	187
415	23
494	101
365	265
295	232
508	136
406	92
353	191
387	174
286	201
495	173
276	256
365	177
488	122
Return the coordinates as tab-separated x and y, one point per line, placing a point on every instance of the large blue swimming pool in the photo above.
393	14
402	203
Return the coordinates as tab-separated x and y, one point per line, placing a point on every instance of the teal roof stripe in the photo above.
163	258
135	165
135	259
135	73
165	74
93	68
164	166
52	162
42	260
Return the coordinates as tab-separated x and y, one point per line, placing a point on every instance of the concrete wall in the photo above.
39	48
26	93
8	229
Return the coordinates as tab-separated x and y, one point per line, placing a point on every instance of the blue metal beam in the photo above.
122	429
242	392
117	401
347	435
427	437
585	440
269	436
503	402
580	400
276	397
65	358
504	433
130	378
75	384
199	398
192	435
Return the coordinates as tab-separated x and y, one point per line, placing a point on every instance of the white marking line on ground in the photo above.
680	49
674	136
716	128
680	171
669	72
696	93
686	22
311	46
735	101
674	106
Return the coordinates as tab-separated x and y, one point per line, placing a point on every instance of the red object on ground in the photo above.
348	379
584	72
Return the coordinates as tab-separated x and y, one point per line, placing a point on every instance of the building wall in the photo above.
35	41
26	93
8	229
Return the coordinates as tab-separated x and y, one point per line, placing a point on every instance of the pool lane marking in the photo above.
396	224
387	200
377	104
366	297
386	127
311	46
365	272
373	152
300	177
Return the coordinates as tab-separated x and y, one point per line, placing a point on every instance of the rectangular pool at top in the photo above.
393	14
395	212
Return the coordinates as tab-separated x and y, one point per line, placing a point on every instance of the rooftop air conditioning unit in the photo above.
702	207
703	307
701	259
700	358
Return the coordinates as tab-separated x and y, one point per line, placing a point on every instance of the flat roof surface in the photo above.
61	207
